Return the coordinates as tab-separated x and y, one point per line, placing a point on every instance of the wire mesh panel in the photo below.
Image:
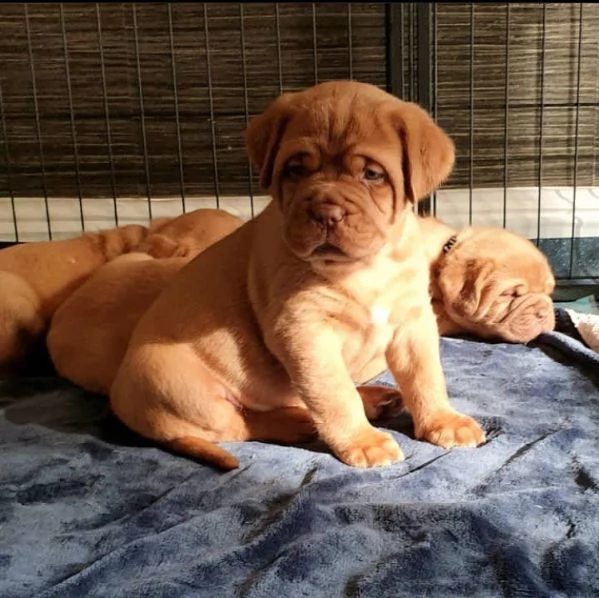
517	89
112	113
117	112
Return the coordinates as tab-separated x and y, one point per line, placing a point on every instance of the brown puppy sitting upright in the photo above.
270	328
89	332
489	282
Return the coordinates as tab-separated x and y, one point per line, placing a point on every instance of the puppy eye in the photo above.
374	176
295	170
513	292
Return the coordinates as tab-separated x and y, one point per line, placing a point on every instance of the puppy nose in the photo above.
328	214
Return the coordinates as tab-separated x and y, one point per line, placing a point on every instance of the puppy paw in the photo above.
380	402
450	429
371	448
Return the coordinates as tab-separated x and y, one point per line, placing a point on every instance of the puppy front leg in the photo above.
415	362
318	372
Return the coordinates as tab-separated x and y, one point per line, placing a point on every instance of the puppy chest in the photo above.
379	331
383	322
369	338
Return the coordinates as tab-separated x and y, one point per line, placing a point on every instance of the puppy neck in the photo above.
398	260
435	236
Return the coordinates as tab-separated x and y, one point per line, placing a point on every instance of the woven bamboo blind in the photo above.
150	99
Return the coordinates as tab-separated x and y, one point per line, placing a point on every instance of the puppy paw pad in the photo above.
451	429
371	449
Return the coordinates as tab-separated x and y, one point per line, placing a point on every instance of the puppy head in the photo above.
497	285
345	161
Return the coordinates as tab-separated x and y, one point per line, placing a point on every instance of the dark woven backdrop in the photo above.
150	99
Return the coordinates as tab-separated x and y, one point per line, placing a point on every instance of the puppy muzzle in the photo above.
527	317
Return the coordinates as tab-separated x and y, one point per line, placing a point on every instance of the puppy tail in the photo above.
202	450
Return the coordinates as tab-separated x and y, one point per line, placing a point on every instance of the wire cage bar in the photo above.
114	113
38	127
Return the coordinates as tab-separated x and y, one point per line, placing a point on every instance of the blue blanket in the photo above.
89	509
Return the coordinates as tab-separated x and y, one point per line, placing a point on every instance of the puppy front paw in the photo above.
450	429
370	448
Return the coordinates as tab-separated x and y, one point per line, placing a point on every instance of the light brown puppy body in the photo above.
326	279
36	277
491	283
188	234
89	332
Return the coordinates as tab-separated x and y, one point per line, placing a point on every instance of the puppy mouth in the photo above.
329	250
329	254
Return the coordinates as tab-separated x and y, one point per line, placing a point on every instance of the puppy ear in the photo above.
428	152
465	286
263	135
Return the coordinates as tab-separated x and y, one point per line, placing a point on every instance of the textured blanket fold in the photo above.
88	509
576	334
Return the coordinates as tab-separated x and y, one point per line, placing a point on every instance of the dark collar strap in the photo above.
450	243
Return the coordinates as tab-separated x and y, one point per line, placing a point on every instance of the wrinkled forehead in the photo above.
336	126
515	254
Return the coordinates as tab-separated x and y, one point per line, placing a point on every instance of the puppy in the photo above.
89	332
35	278
489	282
269	329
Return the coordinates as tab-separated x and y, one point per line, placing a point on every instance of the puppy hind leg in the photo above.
286	425
381	402
185	408
166	394
292	425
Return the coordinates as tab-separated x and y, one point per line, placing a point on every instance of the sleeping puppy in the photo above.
35	278
269	329
489	282
89	332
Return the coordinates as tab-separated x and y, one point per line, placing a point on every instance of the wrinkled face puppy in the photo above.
494	281
345	161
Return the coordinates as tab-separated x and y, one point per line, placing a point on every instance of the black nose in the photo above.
327	214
